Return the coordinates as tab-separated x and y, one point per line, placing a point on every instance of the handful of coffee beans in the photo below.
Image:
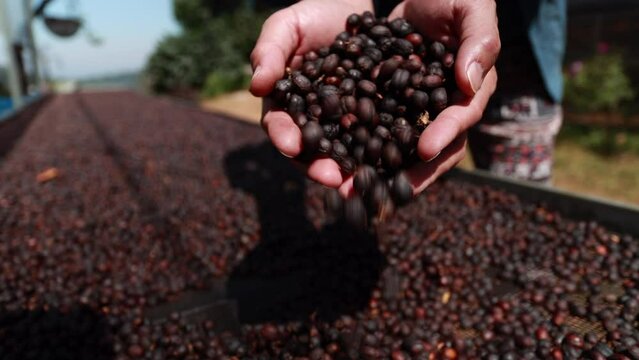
364	101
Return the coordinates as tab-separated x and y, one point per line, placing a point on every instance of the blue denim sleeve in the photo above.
547	34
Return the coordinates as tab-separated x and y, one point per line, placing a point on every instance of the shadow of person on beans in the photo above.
79	333
296	271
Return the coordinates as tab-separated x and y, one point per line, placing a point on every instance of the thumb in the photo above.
479	44
274	47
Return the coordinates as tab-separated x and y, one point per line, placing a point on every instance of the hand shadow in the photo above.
296	271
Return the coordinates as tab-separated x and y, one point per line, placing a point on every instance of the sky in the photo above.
129	30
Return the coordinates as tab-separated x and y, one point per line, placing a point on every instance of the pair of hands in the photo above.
470	26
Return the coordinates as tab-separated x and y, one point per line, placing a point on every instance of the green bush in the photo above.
220	44
601	85
220	82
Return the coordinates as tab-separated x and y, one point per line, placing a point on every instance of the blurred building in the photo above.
22	75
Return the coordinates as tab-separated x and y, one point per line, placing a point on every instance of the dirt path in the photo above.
239	104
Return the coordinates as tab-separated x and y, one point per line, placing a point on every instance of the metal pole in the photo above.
28	28
14	82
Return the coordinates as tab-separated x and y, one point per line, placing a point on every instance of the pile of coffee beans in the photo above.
138	219
364	101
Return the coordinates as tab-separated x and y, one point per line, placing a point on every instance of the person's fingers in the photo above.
479	43
346	189
277	42
284	134
326	172
425	173
455	120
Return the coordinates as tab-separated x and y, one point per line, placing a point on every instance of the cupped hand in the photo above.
286	36
470	26
467	25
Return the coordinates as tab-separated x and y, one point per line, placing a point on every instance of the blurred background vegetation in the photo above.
210	55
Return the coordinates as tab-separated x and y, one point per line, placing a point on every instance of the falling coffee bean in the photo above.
401	189
355	212
364	178
391	157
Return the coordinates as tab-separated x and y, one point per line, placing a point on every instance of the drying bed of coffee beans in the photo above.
115	204
364	101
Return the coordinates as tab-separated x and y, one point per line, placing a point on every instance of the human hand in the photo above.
471	27
285	37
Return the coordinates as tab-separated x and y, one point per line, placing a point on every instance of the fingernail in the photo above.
434	157
475	75
256	72
285	155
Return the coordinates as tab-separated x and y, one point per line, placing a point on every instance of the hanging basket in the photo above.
62	27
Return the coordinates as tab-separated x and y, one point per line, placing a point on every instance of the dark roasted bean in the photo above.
386	119
402	47
361	135
325	146
366	88
302	83
311	69
432	81
374	54
400	79
420	100
383	133
355	74
373	150
349	104
400	27
311	135
282	88
352	22
364	178
406	137
353	50
391	156
330	64
438	50
331	130
347	165
388	105
314	112
439	99
331	106
296	105
355	212
347	87
379	31
366	110
339	151
364	64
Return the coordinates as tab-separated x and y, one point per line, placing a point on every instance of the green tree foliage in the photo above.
191	14
207	44
601	85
